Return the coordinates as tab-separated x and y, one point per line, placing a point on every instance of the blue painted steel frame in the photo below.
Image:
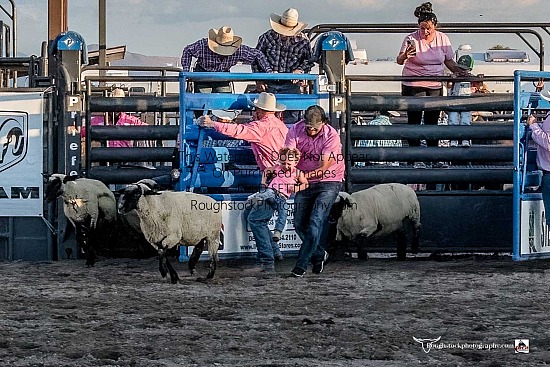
523	100
190	102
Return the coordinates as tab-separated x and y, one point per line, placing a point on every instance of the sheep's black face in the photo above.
52	188
129	199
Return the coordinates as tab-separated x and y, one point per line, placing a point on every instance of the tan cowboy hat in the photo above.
287	24
117	92
223	42
268	102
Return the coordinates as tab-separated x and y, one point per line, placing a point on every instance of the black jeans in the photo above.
415	117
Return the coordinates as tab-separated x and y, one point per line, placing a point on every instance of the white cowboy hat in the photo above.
223	42
268	102
117	92
287	24
545	94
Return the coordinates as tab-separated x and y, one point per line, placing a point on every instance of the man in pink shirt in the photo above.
323	165
266	134
121	118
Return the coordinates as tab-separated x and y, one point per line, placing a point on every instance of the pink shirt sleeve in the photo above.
251	132
290	141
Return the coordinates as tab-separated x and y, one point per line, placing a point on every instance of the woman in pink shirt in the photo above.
425	52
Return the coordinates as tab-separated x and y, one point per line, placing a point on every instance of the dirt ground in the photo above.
356	313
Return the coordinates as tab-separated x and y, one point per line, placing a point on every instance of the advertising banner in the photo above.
535	234
21	154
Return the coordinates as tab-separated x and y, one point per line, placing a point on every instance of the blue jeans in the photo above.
258	214
545	186
311	209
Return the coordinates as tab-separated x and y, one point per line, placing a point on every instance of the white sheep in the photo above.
376	212
169	218
85	202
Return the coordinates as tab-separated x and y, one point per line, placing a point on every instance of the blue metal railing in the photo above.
206	167
524	246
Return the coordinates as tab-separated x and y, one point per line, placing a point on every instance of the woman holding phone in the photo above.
425	52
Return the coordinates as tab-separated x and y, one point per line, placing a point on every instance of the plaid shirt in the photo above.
211	61
285	54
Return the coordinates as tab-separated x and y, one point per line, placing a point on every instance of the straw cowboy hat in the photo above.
223	42
287	24
268	102
117	92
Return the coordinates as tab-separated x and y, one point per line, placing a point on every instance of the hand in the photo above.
261	86
204	121
531	120
297	71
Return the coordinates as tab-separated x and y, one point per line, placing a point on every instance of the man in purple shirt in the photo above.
218	53
540	133
323	164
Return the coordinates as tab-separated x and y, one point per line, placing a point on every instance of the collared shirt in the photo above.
266	137
326	142
284	181
541	135
123	120
429	60
211	61
285	54
379	120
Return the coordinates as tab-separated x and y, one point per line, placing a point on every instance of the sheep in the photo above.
169	218
376	212
85	202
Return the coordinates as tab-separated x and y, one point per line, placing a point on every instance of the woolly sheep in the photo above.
169	218
85	202
376	212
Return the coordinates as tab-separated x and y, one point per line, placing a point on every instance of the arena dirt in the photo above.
356	313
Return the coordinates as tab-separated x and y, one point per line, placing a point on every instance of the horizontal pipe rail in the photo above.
133	154
494	175
151	132
134	104
413	154
125	175
489	102
493	131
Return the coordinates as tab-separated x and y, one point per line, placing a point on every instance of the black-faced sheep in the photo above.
376	212
169	218
85	203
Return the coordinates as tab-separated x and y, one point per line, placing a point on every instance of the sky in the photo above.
165	27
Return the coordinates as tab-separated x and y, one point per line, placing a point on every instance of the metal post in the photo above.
102	37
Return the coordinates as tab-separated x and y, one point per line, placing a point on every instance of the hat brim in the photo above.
394	113
275	20
278	107
223	49
545	94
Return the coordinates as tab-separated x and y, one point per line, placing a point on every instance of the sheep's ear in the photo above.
69	178
347	199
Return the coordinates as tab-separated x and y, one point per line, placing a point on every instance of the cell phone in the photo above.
413	44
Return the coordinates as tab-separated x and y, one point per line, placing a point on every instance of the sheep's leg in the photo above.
415	244
401	244
194	258
163	268
212	267
87	245
174	278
